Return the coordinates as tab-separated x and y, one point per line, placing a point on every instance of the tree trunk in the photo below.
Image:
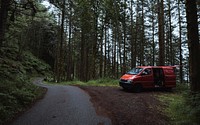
95	40
114	54
161	33
5	5
117	42
180	45
153	37
135	43
170	54
59	63
133	60
124	40
69	60
82	63
57	56
61	56
101	53
193	44
105	52
143	37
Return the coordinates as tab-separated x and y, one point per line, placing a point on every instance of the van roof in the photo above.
164	67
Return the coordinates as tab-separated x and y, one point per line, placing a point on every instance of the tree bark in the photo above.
69	57
105	50
133	60
161	33
143	37
101	53
153	37
5	5
193	44
124	40
180	45
171	54
95	40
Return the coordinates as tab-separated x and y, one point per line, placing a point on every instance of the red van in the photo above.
149	77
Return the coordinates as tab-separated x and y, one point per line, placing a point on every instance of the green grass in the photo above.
181	107
103	82
98	82
175	107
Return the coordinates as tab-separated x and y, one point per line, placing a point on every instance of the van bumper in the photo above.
125	84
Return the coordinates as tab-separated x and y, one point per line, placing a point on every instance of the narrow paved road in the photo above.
62	105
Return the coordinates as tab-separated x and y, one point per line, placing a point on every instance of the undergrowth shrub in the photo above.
193	104
103	82
183	106
182	88
16	90
97	82
8	105
14	98
108	80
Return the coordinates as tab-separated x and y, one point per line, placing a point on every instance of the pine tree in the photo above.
193	43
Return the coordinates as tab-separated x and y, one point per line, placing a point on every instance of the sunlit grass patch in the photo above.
103	82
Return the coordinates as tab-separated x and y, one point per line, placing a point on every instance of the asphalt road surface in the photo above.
62	105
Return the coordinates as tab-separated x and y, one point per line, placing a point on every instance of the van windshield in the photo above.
135	71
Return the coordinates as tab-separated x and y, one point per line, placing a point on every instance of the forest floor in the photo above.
128	108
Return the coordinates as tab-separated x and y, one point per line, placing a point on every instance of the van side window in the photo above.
146	72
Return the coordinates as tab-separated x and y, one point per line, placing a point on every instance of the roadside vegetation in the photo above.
98	82
181	106
17	92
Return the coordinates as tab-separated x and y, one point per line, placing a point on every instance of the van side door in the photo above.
147	80
170	78
159	79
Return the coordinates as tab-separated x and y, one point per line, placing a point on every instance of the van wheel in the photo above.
137	88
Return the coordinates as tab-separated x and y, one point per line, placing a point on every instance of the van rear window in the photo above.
135	71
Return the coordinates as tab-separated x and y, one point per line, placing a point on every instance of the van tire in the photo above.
137	88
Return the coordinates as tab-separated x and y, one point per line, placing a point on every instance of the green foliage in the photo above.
103	82
16	90
180	88
75	82
15	97
17	64
10	67
175	107
98	82
193	104
33	64
182	107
